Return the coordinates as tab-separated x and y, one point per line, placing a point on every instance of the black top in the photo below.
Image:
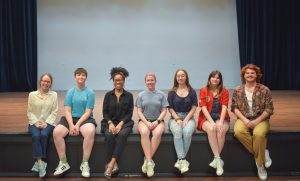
117	111
182	104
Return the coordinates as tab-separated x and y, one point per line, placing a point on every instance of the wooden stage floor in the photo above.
158	179
13	107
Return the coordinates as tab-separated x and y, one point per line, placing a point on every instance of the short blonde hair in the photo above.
150	74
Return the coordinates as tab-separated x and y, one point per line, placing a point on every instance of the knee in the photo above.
36	137
90	134
109	136
44	136
57	134
177	132
144	133
157	135
221	134
238	131
188	133
259	135
210	130
122	134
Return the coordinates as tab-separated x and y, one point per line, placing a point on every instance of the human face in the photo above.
80	78
181	77
119	81
150	82
45	83
250	76
214	80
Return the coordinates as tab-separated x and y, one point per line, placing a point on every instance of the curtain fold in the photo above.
18	45
269	36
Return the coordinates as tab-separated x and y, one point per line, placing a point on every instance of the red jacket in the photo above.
206	99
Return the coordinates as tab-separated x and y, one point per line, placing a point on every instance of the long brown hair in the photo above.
212	74
187	82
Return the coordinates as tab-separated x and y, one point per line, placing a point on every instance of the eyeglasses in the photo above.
46	81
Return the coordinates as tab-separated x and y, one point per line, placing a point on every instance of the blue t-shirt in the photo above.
151	103
182	104
80	100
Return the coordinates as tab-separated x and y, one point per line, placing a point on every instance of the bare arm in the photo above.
207	115
223	113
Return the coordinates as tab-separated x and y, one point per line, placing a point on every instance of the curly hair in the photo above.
118	71
252	67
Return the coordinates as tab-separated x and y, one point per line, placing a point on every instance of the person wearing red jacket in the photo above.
214	118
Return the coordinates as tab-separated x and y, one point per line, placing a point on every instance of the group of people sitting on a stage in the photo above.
251	103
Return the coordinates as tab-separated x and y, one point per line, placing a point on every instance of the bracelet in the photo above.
178	118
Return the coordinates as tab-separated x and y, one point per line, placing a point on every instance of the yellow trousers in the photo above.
254	140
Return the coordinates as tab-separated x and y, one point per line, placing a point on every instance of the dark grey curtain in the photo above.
269	36
18	45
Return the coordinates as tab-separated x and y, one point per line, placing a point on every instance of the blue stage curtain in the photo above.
18	45
269	36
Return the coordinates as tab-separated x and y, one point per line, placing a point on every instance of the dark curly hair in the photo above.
118	70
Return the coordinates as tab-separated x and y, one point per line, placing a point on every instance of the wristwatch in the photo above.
159	121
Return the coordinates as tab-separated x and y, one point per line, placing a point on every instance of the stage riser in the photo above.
16	160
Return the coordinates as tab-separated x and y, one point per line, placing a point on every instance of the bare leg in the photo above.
221	137
59	134
156	138
145	140
212	137
88	133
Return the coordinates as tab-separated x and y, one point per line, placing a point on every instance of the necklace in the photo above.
182	92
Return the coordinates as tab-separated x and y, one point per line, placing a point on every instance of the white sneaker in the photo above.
144	166
262	173
61	168
35	167
219	166
268	160
184	166
213	163
85	169
177	164
150	168
42	169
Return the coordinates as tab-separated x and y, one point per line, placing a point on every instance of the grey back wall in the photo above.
141	35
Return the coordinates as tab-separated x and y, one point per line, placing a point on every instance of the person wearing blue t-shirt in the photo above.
151	109
79	104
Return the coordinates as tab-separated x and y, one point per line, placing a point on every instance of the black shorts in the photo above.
63	121
152	120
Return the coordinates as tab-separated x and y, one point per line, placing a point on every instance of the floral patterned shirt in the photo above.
262	101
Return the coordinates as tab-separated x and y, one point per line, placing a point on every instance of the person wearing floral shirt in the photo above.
253	105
